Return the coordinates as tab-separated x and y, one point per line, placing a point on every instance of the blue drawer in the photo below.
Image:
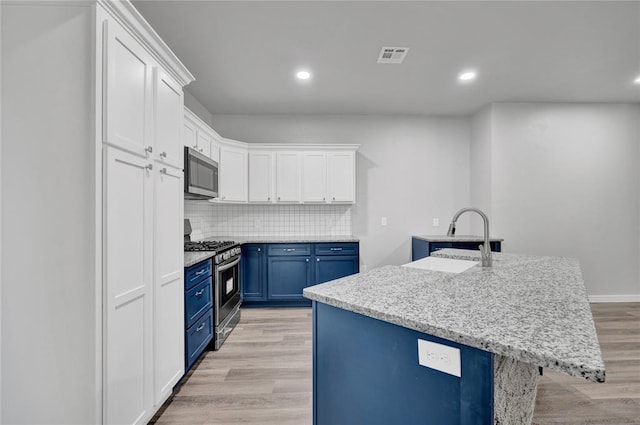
197	338
196	274
337	248
280	249
197	300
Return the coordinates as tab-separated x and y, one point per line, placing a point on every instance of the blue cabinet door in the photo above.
254	272
329	267
288	276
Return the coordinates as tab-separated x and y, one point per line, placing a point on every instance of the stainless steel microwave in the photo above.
200	175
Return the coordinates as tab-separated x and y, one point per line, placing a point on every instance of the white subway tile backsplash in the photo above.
213	220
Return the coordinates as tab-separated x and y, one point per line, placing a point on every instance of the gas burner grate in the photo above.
207	245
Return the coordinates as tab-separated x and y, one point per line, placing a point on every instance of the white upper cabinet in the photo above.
232	172
168	120
288	176
216	140
199	136
314	172
128	93
319	174
261	176
204	143
190	134
341	177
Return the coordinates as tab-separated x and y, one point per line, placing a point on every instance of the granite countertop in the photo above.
530	308
456	238
191	258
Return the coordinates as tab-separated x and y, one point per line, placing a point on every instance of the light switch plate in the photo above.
439	357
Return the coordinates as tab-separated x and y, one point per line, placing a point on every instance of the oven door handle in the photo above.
228	266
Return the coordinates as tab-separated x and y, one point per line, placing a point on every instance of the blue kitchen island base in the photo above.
366	371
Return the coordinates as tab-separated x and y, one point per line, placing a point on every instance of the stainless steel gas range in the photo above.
225	257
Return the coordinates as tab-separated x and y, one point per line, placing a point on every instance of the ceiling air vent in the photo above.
392	54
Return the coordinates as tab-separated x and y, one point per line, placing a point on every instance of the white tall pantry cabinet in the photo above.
92	207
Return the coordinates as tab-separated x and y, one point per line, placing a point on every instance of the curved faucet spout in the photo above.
485	249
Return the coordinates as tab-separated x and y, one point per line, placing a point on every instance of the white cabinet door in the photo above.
341	173
314	172
233	174
215	149
288	177
168	120
128	288
189	134
128	93
260	176
204	143
168	289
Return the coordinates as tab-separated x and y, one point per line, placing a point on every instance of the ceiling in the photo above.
244	54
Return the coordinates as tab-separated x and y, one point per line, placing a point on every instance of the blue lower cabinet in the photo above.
275	274
288	276
253	274
198	301
330	267
198	336
421	248
366	372
198	313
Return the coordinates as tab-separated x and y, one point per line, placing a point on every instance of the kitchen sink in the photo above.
447	265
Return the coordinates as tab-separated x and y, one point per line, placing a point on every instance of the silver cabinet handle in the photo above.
163	170
306	259
200	292
268	198
259	249
334	198
199	328
163	154
149	167
198	273
336	249
195	147
289	249
317	260
278	198
324	199
148	149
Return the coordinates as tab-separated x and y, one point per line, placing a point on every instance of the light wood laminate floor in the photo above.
262	375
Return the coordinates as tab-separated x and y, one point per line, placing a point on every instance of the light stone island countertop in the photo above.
530	308
191	258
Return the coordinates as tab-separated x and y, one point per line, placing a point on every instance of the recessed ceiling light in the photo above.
467	76
303	75
637	80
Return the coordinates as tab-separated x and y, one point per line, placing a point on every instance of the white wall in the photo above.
197	108
565	181
409	169
48	282
481	169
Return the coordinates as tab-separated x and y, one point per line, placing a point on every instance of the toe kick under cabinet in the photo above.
274	274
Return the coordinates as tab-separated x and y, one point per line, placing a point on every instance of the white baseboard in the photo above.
629	298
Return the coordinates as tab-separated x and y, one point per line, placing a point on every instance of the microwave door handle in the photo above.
228	266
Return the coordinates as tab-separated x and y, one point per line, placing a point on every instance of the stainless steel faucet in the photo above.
485	249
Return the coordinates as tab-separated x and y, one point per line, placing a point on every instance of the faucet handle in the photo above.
452	229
